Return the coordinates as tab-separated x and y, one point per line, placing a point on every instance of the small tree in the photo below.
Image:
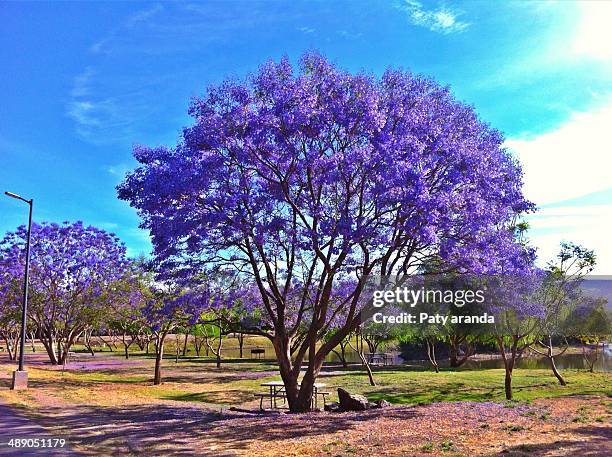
559	294
168	308
340	350
592	323
516	320
377	334
10	309
128	298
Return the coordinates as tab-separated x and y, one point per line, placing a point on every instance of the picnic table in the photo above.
277	391
258	351
380	358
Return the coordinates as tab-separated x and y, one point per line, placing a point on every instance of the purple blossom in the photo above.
306	181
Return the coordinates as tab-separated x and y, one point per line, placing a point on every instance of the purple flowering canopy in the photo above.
11	290
309	180
72	270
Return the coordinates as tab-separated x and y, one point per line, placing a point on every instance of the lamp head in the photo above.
18	197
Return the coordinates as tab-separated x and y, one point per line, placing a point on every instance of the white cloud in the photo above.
441	20
593	35
570	161
588	226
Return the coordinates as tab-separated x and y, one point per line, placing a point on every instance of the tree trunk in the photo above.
241	343
555	371
509	362
185	343
288	372
364	361
32	335
126	346
48	341
299	396
431	354
218	353
454	343
197	344
508	384
343	352
159	355
12	343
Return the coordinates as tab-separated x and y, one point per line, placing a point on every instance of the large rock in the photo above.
332	407
352	402
382	403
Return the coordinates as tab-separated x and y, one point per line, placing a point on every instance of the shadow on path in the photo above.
171	430
14	425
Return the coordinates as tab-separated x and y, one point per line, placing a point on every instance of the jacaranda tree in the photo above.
10	306
165	309
310	181
72	270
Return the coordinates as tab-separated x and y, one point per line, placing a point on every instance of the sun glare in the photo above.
594	32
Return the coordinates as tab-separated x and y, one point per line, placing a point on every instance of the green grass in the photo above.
198	380
404	386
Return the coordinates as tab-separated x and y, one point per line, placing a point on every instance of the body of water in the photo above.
565	361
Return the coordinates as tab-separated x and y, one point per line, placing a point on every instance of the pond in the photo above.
571	361
565	361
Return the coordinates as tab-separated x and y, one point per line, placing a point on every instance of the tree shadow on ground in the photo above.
187	430
599	443
434	394
234	396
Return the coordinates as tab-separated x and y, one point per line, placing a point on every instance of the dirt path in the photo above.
16	426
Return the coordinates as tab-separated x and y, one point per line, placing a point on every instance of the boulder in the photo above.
382	403
352	402
332	407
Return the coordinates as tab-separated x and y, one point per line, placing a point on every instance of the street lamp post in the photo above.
20	376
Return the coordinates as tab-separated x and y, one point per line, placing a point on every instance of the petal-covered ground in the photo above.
106	405
551	427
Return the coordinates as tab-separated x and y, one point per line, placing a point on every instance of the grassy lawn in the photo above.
198	381
406	386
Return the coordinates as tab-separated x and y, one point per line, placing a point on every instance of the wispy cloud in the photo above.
442	20
135	19
80	87
307	30
119	170
144	15
350	35
100	121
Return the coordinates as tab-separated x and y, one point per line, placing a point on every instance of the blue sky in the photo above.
81	82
